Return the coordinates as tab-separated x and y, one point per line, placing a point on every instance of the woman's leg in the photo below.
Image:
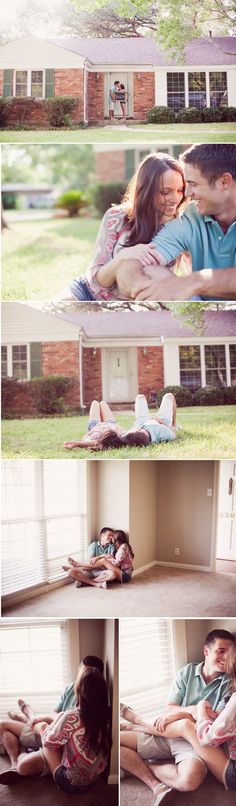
114	569
94	411
53	758
105	412
214	757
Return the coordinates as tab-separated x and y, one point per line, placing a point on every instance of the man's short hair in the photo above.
212	159
106	529
94	661
136	438
215	634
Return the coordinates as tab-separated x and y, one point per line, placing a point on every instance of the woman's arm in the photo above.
106	275
222	728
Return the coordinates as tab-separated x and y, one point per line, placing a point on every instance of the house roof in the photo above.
141	50
148	324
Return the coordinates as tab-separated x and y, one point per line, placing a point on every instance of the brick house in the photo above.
114	355
86	69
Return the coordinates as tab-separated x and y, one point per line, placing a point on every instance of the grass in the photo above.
177	133
41	257
207	433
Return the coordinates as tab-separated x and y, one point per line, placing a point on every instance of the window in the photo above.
147	665
218	89
44	508
215	362
33	663
197	90
19	361
190	367
175	91
29	83
4	360
232	358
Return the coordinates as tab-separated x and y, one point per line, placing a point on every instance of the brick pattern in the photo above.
29	112
150	370
60	358
111	166
71	84
144	94
1	83
92	375
22	402
95	96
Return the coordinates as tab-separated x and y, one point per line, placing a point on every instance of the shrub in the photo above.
211	115
4	106
209	396
161	114
49	393
230	395
182	395
228	113
189	115
8	389
106	194
73	201
59	110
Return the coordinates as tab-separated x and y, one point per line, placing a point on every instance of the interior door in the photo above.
226	531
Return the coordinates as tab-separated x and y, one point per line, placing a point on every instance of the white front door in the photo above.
119	375
127	80
226	530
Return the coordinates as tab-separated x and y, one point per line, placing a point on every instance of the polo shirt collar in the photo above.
198	673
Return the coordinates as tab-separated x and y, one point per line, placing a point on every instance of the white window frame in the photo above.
10	358
29	82
202	346
149	705
207	71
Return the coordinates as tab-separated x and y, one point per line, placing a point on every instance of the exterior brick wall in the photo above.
144	94
92	375
150	370
1	83
27	111
95	96
21	402
110	166
60	358
71	84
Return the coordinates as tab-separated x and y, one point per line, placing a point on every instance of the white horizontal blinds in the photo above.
23	528
44	520
147	665
65	507
33	664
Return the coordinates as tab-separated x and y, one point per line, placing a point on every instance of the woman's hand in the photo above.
145	252
205	711
40	727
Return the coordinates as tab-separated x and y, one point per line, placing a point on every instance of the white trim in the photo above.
228	367
180	642
203	365
29	82
214	523
10	358
144	568
188	566
113	779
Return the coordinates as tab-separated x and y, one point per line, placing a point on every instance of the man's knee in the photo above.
192	777
24	764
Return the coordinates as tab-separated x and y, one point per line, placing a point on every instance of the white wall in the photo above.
22	323
29	52
231	86
143	511
113	494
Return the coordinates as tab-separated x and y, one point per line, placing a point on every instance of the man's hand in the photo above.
145	252
93	561
166	286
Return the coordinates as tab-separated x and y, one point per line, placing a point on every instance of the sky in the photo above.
9	14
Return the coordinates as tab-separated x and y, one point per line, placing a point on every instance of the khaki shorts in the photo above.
30	739
153	748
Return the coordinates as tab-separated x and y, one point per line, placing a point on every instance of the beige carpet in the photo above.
134	793
161	591
42	792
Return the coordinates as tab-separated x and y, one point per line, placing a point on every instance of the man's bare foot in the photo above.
72	562
66	567
102	585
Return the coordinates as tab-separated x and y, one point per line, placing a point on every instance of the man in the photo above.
193	683
207	230
98	547
147	429
112	98
21	730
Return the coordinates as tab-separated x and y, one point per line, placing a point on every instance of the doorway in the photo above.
226	519
119	375
127	80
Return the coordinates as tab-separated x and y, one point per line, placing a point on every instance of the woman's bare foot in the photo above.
66	567
73	562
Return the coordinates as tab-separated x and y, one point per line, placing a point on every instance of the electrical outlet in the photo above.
209	492
177	551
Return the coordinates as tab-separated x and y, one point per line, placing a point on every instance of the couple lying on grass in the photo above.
103	432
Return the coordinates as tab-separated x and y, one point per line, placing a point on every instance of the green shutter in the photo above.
7	83
129	163
49	83
35	360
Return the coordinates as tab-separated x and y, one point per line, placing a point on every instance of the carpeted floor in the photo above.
134	793
160	591
42	792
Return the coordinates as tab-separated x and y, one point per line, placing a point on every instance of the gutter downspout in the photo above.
85	92
81	396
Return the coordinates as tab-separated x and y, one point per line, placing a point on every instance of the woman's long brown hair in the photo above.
142	217
230	665
92	700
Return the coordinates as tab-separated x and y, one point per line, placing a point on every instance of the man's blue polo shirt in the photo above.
190	687
202	236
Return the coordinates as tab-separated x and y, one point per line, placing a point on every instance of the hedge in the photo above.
206	396
209	396
49	393
32	112
182	395
189	115
163	114
107	193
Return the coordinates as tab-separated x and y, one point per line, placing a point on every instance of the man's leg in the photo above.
132	762
30	763
141	407
10	731
167	410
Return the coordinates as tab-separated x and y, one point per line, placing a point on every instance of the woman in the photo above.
103	432
116	569
154	196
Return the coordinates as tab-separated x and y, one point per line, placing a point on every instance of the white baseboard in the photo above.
187	566
113	779
143	568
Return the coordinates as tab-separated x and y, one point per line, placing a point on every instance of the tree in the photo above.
63	165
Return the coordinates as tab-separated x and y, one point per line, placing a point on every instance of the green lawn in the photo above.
177	133
41	257
207	433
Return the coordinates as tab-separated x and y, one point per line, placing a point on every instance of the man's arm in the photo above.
205	283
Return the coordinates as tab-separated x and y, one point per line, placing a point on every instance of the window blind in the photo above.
33	664
147	665
44	506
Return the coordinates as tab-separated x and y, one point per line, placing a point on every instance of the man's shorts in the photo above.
30	739
155	748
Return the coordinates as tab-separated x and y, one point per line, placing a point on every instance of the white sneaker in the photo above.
165	795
